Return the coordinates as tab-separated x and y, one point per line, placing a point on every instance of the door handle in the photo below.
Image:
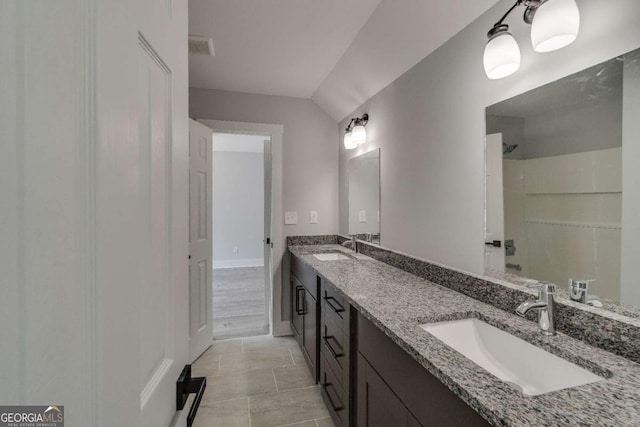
495	243
299	311
187	385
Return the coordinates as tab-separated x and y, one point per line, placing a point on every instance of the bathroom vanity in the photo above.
304	316
377	366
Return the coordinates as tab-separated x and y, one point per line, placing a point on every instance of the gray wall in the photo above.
596	125
310	154
630	291
310	157
577	129
238	206
430	125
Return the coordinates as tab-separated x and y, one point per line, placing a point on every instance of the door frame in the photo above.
491	217
278	326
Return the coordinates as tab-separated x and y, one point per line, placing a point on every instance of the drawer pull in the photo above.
330	347
300	307
326	386
335	305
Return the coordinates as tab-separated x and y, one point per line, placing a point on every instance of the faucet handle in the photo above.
579	290
545	287
579	284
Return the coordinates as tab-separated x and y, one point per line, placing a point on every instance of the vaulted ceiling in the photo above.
338	53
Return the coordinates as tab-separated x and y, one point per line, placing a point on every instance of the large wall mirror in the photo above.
364	196
557	179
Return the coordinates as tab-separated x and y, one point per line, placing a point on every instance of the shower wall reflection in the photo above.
562	179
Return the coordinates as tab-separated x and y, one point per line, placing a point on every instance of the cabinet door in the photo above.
310	326
378	406
412	422
297	307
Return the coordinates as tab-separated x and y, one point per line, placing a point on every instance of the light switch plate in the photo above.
362	216
313	217
290	218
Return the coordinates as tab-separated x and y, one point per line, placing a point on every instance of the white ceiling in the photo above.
273	47
338	53
399	34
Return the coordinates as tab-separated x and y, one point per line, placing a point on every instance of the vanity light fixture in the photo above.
356	133
554	25
349	144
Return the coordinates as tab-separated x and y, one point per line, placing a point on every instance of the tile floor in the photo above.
238	302
258	382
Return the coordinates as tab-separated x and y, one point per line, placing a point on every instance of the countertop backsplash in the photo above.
608	330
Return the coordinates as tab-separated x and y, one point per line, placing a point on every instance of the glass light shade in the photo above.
349	143
359	134
501	56
555	25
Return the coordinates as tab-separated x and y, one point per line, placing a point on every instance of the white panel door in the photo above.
268	243
162	171
200	238
494	204
94	231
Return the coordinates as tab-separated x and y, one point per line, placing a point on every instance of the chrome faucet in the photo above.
354	242
544	305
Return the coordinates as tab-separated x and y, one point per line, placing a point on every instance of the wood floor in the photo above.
238	303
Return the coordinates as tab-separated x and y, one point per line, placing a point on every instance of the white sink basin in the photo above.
333	256
526	367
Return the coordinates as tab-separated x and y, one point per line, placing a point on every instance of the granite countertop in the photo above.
398	302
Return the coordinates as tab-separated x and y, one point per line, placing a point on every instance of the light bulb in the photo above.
501	56
555	25
359	134
349	143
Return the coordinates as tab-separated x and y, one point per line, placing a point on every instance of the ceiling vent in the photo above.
201	46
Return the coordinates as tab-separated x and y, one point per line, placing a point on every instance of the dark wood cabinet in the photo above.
297	304
378	406
426	399
305	313
336	349
366	379
310	335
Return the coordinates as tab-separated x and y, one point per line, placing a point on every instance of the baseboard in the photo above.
238	263
282	329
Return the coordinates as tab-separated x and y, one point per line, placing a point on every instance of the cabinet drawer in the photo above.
334	346
333	395
332	313
306	275
334	305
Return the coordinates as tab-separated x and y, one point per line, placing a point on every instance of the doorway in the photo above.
241	196
274	241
